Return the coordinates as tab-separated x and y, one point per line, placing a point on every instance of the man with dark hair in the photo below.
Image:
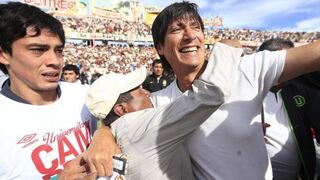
276	44
230	143
70	73
45	123
157	80
153	138
289	138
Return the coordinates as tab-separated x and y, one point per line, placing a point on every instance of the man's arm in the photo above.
100	152
301	60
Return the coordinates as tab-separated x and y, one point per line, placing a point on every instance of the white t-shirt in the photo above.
37	140
230	144
281	148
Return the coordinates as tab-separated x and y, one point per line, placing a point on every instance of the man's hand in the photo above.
99	154
74	169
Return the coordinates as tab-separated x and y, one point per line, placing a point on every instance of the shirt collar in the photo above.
6	91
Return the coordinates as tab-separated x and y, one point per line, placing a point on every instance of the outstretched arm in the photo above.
301	60
100	152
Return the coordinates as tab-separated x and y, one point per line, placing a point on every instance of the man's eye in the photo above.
197	27
38	50
175	29
59	51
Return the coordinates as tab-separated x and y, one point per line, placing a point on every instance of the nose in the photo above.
189	34
53	59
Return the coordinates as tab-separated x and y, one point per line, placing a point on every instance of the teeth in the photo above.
188	49
49	74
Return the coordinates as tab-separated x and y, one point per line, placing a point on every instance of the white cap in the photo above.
105	91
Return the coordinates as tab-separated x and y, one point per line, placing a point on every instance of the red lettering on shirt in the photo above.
35	156
62	142
81	138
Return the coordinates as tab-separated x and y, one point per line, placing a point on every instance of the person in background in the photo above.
289	110
70	73
157	80
45	123
94	77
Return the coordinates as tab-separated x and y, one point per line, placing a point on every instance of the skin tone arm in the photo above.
301	60
99	154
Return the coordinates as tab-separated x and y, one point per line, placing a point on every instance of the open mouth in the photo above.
53	76
188	49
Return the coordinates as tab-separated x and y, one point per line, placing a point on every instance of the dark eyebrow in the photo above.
37	45
43	45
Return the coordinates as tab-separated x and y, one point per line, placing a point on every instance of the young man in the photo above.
157	80
230	143
70	73
44	122
152	138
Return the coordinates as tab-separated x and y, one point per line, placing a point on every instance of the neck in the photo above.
186	78
35	97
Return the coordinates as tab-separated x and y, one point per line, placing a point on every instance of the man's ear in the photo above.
120	109
4	57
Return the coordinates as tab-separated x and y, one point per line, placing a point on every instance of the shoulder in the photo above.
73	89
264	58
72	86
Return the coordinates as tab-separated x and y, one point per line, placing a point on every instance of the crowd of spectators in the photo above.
128	29
260	35
94	61
103	59
108	28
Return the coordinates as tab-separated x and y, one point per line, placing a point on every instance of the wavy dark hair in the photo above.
16	17
175	11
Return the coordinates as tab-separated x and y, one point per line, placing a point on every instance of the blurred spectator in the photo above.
70	73
289	139
94	77
157	80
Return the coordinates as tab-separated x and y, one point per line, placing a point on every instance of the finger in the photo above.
74	162
92	176
92	168
101	169
108	167
103	165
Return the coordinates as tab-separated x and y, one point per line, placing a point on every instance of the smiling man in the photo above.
45	123
153	138
229	144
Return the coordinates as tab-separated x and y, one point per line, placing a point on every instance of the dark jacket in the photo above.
152	84
302	98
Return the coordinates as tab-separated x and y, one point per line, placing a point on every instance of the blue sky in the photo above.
281	15
285	15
